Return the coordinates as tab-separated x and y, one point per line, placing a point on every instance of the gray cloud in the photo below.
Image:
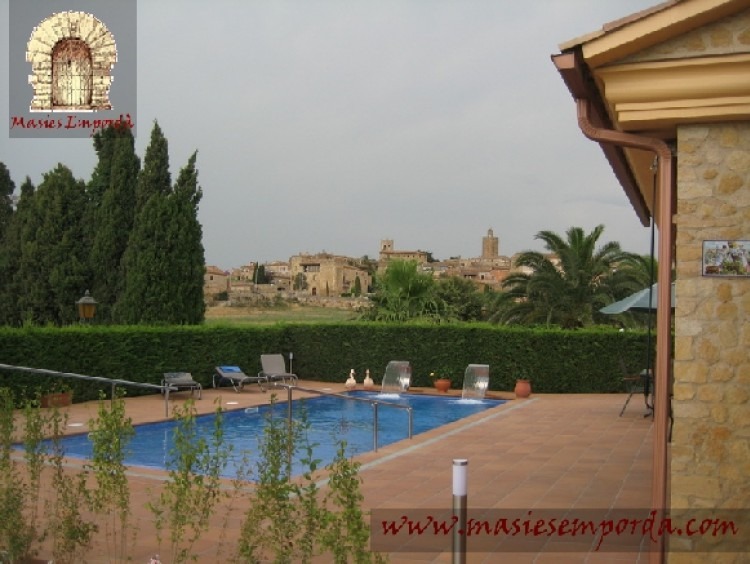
330	125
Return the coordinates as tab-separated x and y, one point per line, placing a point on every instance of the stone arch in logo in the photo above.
72	55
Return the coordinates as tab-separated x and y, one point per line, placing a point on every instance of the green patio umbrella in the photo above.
643	300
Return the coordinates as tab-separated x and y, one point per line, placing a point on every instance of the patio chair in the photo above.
176	381
273	369
639	383
236	377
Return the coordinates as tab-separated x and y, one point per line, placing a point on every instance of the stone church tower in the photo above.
490	246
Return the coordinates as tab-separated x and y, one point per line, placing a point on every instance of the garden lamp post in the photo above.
86	307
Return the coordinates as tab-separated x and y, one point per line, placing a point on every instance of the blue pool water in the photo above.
331	419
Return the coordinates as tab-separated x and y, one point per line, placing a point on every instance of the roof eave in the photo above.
575	74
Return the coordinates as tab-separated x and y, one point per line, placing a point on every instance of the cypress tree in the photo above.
100	178
163	264
154	178
10	289
7	187
7	250
187	259
145	297
53	267
112	214
260	274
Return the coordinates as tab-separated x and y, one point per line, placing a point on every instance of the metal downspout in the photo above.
663	314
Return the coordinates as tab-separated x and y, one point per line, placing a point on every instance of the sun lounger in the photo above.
274	369
236	377
176	381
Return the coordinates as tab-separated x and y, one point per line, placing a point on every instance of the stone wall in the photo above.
710	453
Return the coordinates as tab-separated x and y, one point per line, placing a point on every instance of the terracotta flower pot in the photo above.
57	399
523	388
442	384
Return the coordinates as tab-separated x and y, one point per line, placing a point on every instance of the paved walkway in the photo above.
564	454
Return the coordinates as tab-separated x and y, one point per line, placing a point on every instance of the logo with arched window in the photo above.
72	55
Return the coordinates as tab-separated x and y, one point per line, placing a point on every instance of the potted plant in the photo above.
58	395
441	383
523	385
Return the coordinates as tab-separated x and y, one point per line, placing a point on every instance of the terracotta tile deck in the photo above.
556	452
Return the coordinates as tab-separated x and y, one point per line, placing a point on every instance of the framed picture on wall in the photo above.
726	258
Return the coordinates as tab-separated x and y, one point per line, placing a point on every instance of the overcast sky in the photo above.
326	125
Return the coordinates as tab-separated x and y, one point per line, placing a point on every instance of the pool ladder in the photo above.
375	403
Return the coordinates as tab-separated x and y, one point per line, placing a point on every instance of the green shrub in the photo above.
557	361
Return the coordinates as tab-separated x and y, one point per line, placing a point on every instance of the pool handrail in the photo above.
114	382
375	403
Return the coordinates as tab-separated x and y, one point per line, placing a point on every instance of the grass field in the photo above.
269	315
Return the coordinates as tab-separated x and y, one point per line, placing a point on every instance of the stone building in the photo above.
215	281
490	246
241	282
487	270
387	253
279	274
326	275
670	87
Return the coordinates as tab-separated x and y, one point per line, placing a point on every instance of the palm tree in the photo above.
633	273
403	293
566	286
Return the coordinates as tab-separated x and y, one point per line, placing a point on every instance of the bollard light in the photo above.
460	487
460	476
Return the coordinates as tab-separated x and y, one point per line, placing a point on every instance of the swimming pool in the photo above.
331	419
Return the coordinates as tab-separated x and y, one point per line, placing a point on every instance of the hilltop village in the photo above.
324	276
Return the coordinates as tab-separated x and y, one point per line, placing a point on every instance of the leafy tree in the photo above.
460	298
566	287
368	264
371	266
403	293
112	213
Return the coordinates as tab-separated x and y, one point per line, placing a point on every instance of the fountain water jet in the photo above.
397	377
476	381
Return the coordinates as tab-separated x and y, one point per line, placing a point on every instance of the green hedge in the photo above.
556	361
